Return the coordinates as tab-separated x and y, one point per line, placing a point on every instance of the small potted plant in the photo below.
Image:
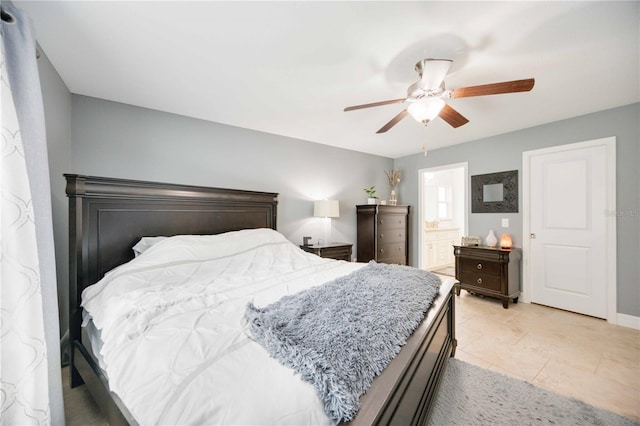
371	194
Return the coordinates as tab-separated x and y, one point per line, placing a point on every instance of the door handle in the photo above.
532	236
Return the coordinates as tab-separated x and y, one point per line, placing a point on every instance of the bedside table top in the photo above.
495	248
338	251
328	245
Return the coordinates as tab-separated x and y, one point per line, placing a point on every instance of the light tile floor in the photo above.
567	353
570	354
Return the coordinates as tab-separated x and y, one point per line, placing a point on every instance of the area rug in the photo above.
471	395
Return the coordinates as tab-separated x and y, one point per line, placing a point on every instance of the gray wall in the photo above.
57	109
504	152
118	140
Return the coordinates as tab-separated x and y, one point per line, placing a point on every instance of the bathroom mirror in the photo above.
495	192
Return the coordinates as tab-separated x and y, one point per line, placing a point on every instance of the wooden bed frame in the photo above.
108	216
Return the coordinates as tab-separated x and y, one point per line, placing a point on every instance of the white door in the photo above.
569	247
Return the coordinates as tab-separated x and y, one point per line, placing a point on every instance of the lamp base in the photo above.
325	231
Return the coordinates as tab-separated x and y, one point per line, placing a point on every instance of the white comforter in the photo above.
175	347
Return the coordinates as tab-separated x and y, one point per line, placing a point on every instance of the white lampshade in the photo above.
426	109
326	208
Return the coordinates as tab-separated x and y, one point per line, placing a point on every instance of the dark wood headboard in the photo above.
108	216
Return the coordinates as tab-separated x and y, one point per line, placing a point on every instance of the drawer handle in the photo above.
381	236
381	220
479	281
479	266
381	250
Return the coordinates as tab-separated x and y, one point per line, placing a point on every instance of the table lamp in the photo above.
326	209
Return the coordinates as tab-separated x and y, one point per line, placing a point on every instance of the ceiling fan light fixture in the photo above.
426	97
426	109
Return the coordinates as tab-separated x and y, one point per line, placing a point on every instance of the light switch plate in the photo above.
505	223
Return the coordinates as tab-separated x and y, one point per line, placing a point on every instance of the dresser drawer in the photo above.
391	236
490	282
394	261
338	253
388	221
480	266
390	251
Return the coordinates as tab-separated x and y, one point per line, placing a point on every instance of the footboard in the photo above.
405	391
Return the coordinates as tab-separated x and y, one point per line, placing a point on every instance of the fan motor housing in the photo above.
416	91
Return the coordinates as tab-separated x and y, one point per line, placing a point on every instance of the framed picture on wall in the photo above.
495	192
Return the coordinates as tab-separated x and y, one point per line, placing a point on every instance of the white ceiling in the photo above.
289	68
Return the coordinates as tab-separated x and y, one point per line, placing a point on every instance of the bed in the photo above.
108	216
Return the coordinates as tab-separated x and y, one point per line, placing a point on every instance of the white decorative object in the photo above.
394	180
393	198
471	240
491	239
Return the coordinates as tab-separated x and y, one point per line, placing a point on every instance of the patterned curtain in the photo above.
31	389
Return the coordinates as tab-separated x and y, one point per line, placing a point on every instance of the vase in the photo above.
491	239
371	201
393	199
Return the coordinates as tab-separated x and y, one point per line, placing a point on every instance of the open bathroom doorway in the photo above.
444	218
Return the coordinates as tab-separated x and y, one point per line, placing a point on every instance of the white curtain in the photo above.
31	389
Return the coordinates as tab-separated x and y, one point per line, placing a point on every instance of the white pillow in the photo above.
145	243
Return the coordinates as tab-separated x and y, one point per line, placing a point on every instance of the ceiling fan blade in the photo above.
375	104
395	120
494	88
453	117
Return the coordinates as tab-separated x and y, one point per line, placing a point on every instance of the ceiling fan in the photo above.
426	97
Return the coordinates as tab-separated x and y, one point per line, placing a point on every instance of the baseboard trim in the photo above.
628	321
623	320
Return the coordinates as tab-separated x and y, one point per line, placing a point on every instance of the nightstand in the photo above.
338	251
489	271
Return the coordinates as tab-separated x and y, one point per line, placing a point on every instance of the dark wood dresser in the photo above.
489	271
338	251
383	233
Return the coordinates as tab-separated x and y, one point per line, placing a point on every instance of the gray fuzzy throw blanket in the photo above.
340	335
